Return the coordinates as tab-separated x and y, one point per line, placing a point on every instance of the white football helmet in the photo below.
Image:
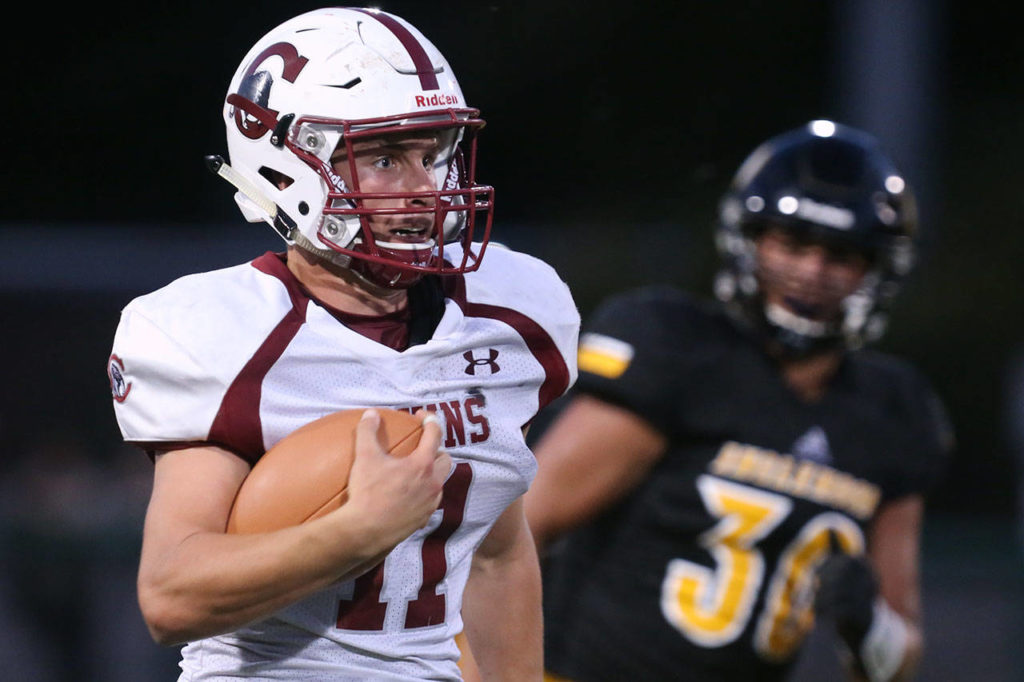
327	78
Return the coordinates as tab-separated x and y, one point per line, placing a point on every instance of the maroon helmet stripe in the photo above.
420	59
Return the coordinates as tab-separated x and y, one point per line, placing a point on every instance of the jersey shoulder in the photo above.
644	350
219	315
653	324
662	310
522	282
177	349
517	286
902	394
901	385
215	299
530	297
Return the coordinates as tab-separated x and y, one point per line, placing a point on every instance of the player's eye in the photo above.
384	162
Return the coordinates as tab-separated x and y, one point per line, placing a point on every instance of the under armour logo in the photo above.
476	362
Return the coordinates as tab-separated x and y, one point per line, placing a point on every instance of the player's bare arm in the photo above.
874	600
502	605
196	581
613	445
894	550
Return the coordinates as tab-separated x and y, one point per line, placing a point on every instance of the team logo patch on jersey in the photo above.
475	363
603	355
813	445
119	390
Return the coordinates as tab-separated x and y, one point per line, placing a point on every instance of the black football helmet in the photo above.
831	183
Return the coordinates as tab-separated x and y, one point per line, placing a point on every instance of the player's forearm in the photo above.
212	583
889	652
504	624
913	648
912	655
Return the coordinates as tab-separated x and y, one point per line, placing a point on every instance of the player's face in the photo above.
805	277
390	164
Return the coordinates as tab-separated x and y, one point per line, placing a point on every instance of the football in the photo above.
305	475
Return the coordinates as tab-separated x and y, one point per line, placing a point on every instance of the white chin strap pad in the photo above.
781	317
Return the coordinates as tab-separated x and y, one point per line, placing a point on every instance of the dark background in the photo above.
612	130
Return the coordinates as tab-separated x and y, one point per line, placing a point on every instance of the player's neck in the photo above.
342	289
809	376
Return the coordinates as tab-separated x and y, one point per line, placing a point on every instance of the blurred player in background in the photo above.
723	472
349	135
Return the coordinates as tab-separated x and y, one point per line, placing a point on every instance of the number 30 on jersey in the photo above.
712	606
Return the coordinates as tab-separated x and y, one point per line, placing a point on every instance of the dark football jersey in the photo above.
705	571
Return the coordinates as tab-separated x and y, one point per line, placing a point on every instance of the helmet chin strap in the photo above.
378	276
329	255
384	276
780	317
394	276
794	336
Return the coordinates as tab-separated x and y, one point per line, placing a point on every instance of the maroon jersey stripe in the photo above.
238	423
538	341
420	59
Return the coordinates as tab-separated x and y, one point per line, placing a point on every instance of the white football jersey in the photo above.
241	357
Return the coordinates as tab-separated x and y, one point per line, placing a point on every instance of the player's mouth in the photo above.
419	233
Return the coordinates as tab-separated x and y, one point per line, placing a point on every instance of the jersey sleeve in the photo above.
162	392
550	303
177	351
530	295
921	439
627	355
933	438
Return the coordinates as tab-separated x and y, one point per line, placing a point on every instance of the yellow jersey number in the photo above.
712	606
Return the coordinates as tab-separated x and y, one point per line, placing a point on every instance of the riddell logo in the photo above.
435	100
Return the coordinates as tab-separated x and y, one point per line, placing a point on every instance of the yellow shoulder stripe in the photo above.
603	355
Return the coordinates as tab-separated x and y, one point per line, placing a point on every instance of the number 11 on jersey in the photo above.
365	611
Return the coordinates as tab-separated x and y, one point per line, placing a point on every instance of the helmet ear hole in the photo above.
276	178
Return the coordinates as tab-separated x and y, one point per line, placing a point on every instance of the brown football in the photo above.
305	475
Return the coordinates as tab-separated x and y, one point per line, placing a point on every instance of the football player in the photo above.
727	470
348	133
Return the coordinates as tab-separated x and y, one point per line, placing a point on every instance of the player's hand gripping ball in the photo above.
305	475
